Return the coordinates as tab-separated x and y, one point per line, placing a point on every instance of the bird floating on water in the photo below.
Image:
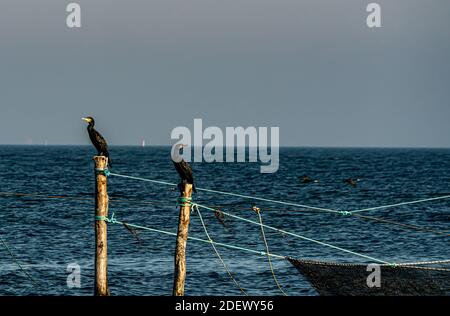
97	139
307	179
183	168
353	182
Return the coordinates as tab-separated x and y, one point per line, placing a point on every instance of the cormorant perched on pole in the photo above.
182	167
97	140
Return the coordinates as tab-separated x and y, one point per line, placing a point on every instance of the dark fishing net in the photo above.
330	278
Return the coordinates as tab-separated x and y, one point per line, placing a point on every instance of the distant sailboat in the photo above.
143	143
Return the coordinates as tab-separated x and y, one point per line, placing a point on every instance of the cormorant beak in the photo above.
86	119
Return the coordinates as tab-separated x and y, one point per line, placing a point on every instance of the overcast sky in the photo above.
143	67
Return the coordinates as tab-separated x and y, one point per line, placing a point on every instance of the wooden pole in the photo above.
182	235
101	240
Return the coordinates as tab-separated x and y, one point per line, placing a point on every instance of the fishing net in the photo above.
330	278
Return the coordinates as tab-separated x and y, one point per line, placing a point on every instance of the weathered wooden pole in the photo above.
182	236
101	237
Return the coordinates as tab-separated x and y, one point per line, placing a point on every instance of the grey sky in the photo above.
311	67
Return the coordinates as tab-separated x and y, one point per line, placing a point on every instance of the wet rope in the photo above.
184	201
165	204
289	203
297	236
230	194
258	211
113	220
400	204
409	226
104	172
8	249
81	198
424	263
142	179
286	203
194	206
344	213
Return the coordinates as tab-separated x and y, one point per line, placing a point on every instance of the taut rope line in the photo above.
18	263
230	194
217	252
289	203
297	235
400	204
113	220
257	210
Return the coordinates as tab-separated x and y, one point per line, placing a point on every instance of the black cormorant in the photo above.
182	167
351	181
306	179
97	140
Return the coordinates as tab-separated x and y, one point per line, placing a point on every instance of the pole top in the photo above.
101	162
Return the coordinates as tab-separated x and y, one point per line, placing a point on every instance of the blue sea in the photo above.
47	217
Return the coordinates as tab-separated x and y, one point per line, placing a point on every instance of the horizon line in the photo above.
282	146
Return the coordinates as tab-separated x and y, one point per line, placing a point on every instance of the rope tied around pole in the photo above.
104	172
111	220
184	201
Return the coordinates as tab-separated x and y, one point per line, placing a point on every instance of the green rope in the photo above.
261	253
229	193
257	210
217	252
285	203
142	179
111	220
401	204
345	213
298	236
105	172
114	221
18	263
184	201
